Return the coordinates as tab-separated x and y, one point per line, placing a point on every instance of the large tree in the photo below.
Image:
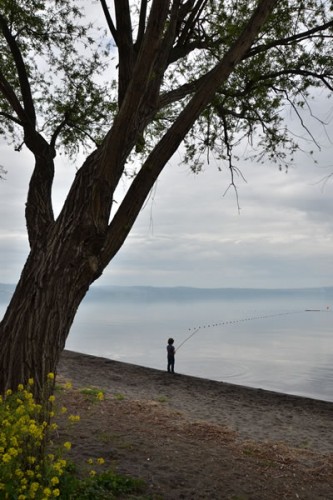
202	73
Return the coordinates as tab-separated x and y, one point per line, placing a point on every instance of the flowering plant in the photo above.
26	470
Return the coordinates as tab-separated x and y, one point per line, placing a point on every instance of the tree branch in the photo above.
299	37
128	122
10	96
39	212
301	120
125	47
109	21
187	89
84	132
194	7
324	77
57	131
179	93
185	29
142	24
29	107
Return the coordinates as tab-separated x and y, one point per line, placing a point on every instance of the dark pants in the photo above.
171	364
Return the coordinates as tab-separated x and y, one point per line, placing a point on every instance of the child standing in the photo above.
171	356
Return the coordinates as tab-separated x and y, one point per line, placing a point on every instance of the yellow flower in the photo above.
6	458
9	392
20	410
33	429
59	465
74	418
54	480
100	396
47	492
63	409
56	492
13	452
52	399
20	387
31	381
68	385
13	441
100	461
28	396
67	445
90	461
50	376
92	473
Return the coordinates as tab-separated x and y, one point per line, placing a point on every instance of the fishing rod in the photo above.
196	329
188	338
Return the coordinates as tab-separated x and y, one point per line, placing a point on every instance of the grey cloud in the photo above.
190	234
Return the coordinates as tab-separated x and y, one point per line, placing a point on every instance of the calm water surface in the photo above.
248	339
273	344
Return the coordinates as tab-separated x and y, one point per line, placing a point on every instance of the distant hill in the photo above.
149	293
153	294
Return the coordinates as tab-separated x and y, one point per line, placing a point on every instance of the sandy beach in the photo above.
194	438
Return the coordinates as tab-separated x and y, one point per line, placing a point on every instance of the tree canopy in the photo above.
57	72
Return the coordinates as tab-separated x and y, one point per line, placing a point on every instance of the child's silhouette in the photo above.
171	356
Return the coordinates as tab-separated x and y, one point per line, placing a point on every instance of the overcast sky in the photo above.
190	234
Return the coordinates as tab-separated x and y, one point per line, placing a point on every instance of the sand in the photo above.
194	438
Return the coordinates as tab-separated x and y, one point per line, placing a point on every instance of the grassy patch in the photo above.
93	393
119	396
103	486
162	399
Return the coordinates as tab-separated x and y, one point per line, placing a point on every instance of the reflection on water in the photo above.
252	338
277	345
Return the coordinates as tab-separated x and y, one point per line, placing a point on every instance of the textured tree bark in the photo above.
34	329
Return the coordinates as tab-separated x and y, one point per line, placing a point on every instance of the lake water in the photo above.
258	339
271	343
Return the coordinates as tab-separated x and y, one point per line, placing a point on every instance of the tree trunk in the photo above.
34	329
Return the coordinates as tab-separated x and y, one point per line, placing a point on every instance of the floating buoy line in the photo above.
196	329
